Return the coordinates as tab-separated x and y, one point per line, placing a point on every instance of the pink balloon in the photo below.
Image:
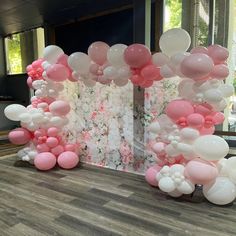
97	51
195	120
57	150
179	108
94	68
218	53
37	63
150	175
29	82
52	142
203	109
45	161
62	59
59	108
52	132
151	72
199	49
146	84
218	118
137	79
220	71
137	55
70	147
199	171
19	136
206	131
39	132
42	148
158	147
29	68
57	72
68	160
196	66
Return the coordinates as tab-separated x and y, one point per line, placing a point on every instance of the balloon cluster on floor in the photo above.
187	152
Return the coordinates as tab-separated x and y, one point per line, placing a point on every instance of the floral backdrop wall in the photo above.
101	121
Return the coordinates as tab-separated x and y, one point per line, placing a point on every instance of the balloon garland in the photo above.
187	151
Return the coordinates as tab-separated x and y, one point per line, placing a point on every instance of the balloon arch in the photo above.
187	152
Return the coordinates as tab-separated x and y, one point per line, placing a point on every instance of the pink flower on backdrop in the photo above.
101	108
93	115
147	95
86	136
126	153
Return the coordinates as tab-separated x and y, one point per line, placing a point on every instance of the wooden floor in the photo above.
94	201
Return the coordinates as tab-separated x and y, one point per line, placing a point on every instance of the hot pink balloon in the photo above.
19	136
68	160
52	142
57	72
179	108
42	148
195	120
137	55
62	59
146	84
151	72
218	53
53	132
45	161
220	71
37	63
57	150
196	66
150	175
137	79
199	171
59	108
97	51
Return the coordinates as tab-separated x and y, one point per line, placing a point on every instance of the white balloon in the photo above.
185	88
51	53
186	187
171	151
154	127
124	72
37	117
228	168
166	184
25	117
227	90
185	149
166	72
89	82
159	59
175	193
220	192
121	82
45	65
115	55
79	62
220	106
174	41
13	111
109	72
213	95
210	147
177	168
189	134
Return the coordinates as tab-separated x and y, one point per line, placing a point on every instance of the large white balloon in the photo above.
174	41
51	53
79	62
220	192
159	59
210	147
12	112
115	55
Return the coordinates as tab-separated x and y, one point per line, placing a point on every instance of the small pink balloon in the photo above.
150	175
62	59
70	147
29	82
57	150
137	55
199	171
218	53
29	68
97	51
158	147
179	108
19	136
146	84
151	72
57	72
206	131
199	49
94	69
59	108
39	132
68	160
203	109
220	71
42	148
137	79
218	118
52	132
195	120
37	63
45	161
196	66
52	142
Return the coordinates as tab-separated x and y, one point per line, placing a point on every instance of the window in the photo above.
22	48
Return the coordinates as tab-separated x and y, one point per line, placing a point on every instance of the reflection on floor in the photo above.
94	201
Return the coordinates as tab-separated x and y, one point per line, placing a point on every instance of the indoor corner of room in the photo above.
117	117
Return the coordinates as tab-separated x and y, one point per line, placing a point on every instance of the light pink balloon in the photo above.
39	132
59	108
94	69
199	49
220	71
42	148
206	131
203	109
179	108
45	161
97	51
196	66
70	147
29	68
68	160
151	72
146	84
57	150
137	79
137	55
195	120
29	82
62	59
57	72
150	175
158	147
199	171
218	118
53	132
218	53
52	142
37	63
19	136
